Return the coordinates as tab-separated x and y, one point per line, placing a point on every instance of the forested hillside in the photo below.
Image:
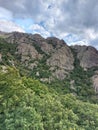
27	104
47	85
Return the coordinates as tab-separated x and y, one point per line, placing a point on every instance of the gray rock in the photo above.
95	82
87	55
27	52
61	58
0	57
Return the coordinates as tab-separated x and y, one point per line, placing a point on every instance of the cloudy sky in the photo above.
75	21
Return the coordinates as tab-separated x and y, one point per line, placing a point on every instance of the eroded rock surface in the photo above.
87	55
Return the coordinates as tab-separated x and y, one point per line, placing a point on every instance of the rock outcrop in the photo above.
95	81
87	55
61	58
27	52
0	57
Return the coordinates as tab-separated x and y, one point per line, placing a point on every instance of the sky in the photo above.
75	21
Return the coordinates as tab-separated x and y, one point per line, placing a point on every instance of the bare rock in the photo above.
32	65
42	43
55	42
0	57
59	74
17	37
61	62
62	58
47	48
27	52
87	55
95	82
38	38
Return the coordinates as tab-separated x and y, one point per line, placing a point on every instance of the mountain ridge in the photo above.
47	59
49	44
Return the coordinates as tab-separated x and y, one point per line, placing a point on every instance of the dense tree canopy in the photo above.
27	104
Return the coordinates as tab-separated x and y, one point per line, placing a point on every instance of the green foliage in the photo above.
16	110
6	47
9	57
82	82
37	47
53	43
42	68
27	104
8	52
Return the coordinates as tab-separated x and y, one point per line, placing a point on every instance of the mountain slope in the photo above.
33	48
51	60
47	85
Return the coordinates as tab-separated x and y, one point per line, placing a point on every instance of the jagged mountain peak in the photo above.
32	50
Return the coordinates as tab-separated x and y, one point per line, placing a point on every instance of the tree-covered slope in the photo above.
27	104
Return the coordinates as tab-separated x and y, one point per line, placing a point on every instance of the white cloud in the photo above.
20	3
8	26
5	14
72	39
40	30
59	18
83	42
90	34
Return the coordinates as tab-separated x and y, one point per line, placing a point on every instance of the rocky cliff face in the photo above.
87	55
61	59
51	56
52	51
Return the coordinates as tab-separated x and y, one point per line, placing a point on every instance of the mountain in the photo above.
47	59
33	48
30	50
46	84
